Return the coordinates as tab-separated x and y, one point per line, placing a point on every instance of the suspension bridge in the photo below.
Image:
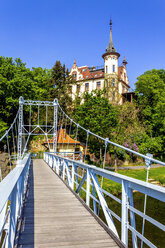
60	200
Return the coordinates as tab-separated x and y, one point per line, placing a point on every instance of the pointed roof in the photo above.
110	49
124	61
63	137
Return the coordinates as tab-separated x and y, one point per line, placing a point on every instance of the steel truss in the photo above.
28	130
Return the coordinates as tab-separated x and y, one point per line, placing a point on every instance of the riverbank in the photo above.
155	175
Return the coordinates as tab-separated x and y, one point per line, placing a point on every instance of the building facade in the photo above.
66	146
111	77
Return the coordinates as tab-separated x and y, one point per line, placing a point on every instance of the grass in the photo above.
158	174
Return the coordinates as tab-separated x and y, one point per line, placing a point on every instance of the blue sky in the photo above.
41	32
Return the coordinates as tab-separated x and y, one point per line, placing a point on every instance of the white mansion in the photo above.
111	77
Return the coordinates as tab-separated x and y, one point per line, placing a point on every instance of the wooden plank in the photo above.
54	217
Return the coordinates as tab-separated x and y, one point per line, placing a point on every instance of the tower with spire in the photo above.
110	56
111	77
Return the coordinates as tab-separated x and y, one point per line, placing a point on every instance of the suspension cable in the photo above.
30	119
8	149
46	117
148	163
75	141
105	152
69	133
13	140
115	144
86	145
38	114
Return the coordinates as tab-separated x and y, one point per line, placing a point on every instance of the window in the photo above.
113	82
84	69
106	69
78	88
74	75
87	87
98	85
113	68
114	95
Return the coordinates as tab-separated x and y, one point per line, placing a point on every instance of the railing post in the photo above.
88	189
132	218
63	176
94	202
21	102
57	166
51	162
73	172
54	163
12	218
124	217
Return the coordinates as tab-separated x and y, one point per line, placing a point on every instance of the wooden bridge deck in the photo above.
54	217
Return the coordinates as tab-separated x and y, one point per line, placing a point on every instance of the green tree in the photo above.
60	86
16	80
150	91
99	116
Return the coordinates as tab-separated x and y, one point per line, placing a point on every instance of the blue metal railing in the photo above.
69	170
12	190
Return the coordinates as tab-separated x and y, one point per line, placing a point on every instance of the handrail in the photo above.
68	170
113	143
12	189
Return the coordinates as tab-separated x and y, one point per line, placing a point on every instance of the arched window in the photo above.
74	75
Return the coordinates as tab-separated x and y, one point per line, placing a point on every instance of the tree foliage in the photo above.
139	126
60	85
150	90
99	116
16	80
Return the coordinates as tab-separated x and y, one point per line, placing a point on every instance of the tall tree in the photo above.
99	116
60	86
150	90
16	80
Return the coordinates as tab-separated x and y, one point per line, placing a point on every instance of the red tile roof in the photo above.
63	137
87	74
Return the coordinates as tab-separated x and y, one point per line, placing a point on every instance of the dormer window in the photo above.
74	75
84	69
